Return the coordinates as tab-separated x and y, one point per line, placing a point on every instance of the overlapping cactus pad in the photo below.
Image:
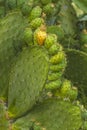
53	115
10	41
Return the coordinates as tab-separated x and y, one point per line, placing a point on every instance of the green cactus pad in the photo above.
27	80
10	42
76	69
54	115
66	16
81	4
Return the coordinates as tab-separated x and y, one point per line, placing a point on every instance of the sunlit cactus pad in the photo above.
53	115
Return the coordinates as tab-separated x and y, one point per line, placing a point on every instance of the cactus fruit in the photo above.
35	13
36	91
9	45
67	91
28	36
54	49
40	36
57	58
48	9
34	24
49	79
50	40
66	87
53	115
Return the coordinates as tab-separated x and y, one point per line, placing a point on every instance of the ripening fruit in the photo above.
40	36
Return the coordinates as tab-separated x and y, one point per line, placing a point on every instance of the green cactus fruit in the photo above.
10	43
50	40
46	1
58	58
37	22
49	9
58	67
35	13
28	36
76	68
26	8
55	84
65	89
24	80
54	76
54	114
73	94
54	49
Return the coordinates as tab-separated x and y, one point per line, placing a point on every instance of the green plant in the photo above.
43	65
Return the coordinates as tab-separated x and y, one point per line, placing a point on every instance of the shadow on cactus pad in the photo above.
76	71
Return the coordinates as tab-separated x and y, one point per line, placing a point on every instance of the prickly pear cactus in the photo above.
34	92
10	36
32	69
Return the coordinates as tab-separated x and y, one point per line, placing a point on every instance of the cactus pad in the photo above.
53	115
27	80
10	41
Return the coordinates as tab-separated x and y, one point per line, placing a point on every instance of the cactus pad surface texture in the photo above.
43	65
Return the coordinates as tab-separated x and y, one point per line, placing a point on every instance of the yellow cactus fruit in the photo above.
41	36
